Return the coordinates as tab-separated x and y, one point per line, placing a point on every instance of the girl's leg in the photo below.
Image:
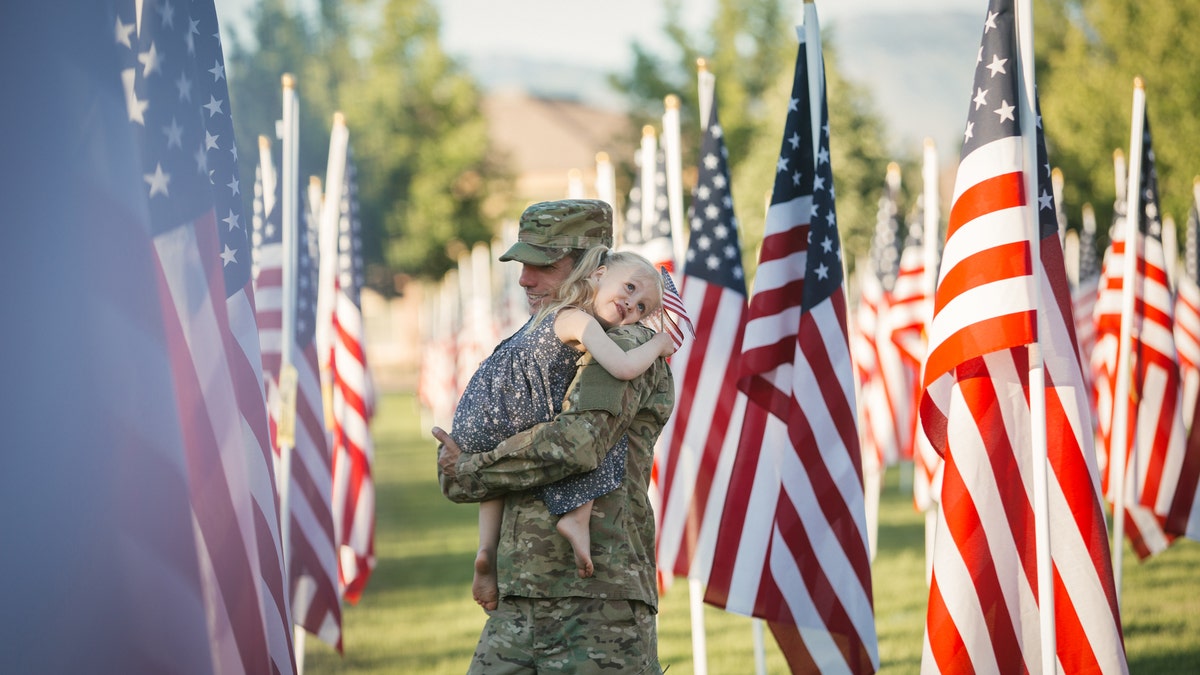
576	526
483	587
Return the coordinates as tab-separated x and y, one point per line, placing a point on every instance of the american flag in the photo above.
353	446
991	305
675	315
696	447
1187	316
1083	296
648	221
876	359
1156	439
99	540
178	105
792	544
312	563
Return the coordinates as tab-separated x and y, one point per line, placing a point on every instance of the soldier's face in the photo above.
540	281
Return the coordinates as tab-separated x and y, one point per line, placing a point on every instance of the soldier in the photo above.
549	619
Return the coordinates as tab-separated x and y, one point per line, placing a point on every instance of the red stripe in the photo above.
993	194
1005	261
945	641
210	494
990	334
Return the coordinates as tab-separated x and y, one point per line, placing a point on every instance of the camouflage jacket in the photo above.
534	560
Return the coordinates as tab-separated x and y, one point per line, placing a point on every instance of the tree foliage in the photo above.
426	180
750	47
1088	54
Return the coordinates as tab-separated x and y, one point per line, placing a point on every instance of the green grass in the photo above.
417	616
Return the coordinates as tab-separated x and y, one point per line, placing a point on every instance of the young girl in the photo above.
525	380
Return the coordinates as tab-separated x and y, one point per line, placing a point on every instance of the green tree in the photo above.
426	179
1088	54
750	47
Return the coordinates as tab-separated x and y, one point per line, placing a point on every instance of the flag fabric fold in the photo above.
696	448
792	544
995	299
179	107
353	402
1160	466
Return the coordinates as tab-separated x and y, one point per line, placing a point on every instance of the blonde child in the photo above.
524	381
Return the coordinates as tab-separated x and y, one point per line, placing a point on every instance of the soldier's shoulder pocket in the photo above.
598	390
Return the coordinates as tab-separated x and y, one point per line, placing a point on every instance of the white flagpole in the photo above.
931	231
760	647
707	83
327	238
1170	251
285	430
1037	373
1122	454
674	160
649	168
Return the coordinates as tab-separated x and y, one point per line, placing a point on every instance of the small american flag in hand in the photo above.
672	306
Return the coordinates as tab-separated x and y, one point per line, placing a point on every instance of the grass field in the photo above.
417	615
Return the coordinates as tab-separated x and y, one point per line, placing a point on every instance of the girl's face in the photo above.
621	299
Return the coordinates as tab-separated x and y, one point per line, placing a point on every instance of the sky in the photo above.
588	31
598	34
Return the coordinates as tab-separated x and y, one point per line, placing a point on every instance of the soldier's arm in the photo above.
599	410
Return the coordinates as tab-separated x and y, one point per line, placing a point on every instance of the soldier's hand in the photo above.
448	453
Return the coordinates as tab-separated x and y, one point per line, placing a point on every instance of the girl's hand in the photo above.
666	344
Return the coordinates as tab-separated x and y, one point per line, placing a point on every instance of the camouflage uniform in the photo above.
550	620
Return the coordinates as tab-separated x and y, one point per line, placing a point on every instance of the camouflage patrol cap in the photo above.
550	230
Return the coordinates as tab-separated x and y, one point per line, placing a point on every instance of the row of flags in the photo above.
163	518
976	357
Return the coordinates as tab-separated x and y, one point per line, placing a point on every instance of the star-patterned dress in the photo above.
521	384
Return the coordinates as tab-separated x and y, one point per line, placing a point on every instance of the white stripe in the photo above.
819	643
999	157
998	298
759	522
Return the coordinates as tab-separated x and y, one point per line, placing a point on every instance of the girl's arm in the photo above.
574	325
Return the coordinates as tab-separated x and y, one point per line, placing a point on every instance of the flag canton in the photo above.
1047	211
1149	221
350	258
162	97
714	251
885	244
221	147
823	269
648	219
993	113
307	247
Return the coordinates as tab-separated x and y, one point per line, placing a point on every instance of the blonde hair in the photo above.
578	291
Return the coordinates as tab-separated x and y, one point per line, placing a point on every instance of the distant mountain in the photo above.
918	67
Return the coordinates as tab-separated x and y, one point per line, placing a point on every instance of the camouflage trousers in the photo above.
567	635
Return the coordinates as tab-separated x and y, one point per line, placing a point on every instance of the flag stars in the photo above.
827	245
228	256
721	232
150	60
218	71
822	271
184	85
718	182
1005	111
158	181
997	65
233	220
980	99
1046	200
123	33
794	140
234	186
969	132
213	106
210	141
174	134
168	14
991	22
794	105
781	165
823	156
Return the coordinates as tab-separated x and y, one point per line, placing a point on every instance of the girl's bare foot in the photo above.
483	586
579	535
